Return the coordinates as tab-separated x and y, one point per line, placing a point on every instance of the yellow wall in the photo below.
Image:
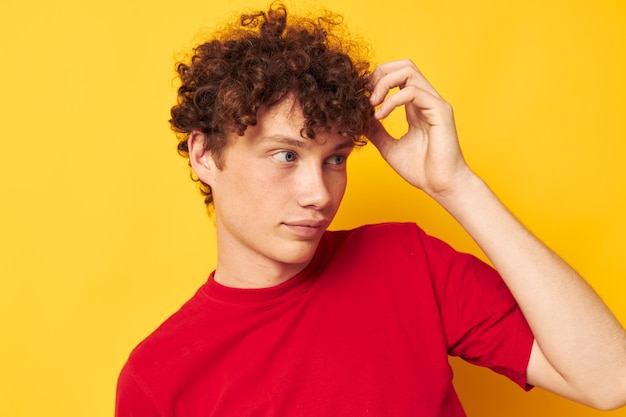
102	235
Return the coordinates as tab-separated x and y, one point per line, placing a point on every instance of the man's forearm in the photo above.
579	336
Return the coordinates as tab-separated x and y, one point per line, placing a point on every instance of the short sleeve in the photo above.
482	322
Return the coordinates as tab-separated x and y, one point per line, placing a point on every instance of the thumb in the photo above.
378	135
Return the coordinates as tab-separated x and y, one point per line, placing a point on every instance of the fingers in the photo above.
396	74
421	100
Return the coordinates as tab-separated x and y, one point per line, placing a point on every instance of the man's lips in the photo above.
307	223
306	228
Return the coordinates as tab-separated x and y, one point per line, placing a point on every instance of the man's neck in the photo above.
242	274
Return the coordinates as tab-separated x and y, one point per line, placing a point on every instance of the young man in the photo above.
300	321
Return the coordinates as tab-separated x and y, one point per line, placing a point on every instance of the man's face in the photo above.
277	192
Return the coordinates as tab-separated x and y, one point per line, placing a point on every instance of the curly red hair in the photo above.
259	63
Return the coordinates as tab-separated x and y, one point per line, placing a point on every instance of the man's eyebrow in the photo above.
289	141
307	143
345	145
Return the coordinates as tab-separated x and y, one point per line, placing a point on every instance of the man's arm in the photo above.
580	347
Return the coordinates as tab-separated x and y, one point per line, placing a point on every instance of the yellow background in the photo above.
102	235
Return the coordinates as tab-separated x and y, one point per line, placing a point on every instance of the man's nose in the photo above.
313	190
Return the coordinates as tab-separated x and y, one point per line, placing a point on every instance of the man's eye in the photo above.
285	156
336	159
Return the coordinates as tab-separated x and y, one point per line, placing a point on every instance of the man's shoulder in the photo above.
389	229
170	337
374	243
376	234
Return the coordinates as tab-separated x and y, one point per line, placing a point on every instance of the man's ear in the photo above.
200	159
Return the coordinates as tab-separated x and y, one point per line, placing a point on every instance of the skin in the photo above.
274	197
580	347
271	215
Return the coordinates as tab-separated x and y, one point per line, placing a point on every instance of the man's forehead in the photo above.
284	123
288	108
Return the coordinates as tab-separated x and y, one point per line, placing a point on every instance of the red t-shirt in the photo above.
365	329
